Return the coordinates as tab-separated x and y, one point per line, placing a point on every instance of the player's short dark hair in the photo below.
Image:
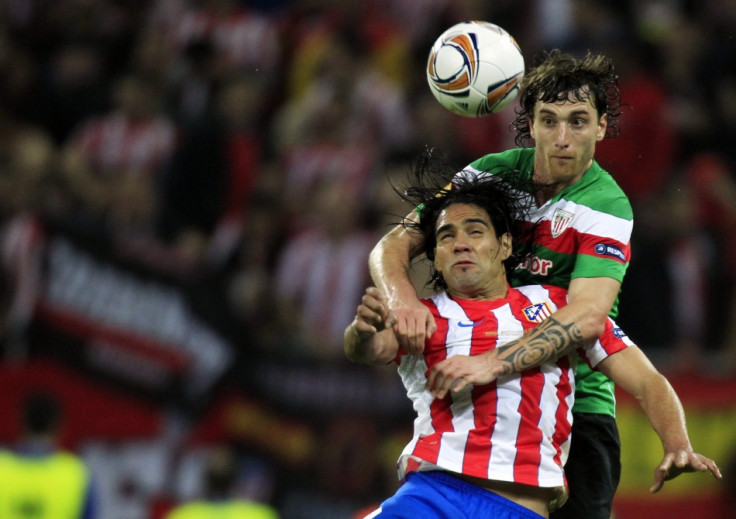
502	194
562	76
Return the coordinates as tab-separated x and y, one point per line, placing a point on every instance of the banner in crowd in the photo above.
124	319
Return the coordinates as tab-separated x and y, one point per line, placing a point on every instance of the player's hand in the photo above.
679	462
412	323
460	371
373	313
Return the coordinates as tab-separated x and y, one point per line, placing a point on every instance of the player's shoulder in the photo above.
521	159
599	191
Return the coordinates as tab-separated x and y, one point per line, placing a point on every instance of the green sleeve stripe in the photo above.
592	267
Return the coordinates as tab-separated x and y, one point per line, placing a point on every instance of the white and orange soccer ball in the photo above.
475	68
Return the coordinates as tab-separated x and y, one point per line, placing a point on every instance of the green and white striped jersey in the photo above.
584	231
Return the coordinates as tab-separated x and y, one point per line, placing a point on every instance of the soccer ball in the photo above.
475	68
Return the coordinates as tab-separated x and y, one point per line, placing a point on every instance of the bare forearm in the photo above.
389	262
632	371
635	374
665	412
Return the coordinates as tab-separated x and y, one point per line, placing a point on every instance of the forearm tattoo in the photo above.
548	341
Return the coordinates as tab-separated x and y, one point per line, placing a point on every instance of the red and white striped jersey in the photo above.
515	429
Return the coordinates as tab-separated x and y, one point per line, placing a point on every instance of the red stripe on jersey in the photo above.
440	412
604	248
529	439
562	426
609	340
565	243
574	242
485	403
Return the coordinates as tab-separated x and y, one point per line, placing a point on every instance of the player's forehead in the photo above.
566	105
460	214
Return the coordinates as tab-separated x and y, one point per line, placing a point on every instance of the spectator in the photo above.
113	162
74	88
27	159
219	500
217	167
321	270
243	38
39	480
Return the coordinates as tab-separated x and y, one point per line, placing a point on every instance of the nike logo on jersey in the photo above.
469	324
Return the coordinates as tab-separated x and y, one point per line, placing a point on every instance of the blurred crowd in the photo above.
254	145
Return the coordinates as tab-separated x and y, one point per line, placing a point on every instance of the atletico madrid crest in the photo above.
560	221
537	312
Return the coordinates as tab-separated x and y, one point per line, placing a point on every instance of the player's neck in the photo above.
489	293
546	187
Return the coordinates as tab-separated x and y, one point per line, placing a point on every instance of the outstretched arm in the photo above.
575	325
389	263
367	340
632	371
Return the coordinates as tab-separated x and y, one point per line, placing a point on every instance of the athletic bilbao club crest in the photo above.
537	313
560	221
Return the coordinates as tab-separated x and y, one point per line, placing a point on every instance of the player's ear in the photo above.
506	245
602	125
531	127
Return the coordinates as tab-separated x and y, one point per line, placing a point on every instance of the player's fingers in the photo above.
438	382
362	327
698	462
459	384
703	464
417	337
411	335
661	473
439	394
657	485
391	319
374	292
400	327
368	315
374	300
434	382
430	325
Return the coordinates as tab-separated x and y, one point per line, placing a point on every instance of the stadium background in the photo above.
189	189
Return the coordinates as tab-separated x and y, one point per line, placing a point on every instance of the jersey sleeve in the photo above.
604	244
604	224
515	161
612	340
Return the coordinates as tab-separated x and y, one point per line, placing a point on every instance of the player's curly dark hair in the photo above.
563	76
502	194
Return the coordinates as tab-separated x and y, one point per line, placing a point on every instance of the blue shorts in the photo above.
441	496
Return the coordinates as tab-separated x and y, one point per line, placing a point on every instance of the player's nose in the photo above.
562	136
